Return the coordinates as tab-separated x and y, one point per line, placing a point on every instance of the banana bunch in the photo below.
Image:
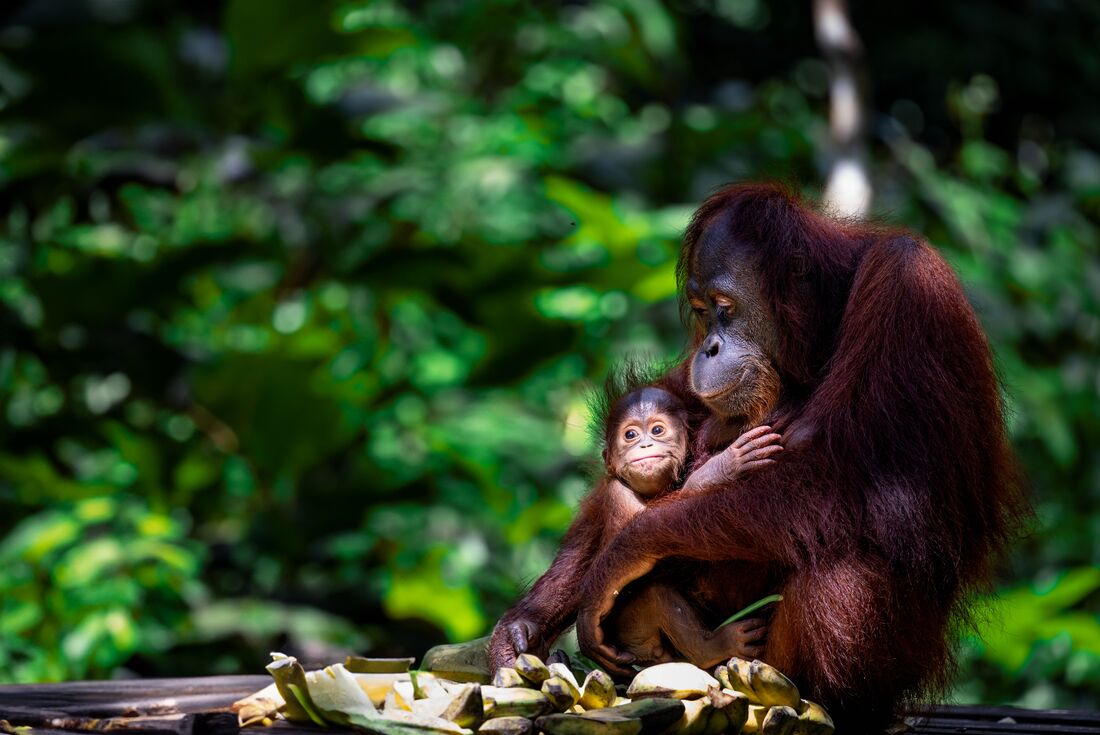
775	707
452	694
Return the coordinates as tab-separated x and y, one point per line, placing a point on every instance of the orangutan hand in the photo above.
513	635
600	598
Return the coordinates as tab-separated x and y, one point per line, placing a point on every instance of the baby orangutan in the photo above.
646	451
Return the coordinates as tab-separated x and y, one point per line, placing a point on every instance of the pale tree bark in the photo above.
848	188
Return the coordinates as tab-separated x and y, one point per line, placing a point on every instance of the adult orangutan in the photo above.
897	489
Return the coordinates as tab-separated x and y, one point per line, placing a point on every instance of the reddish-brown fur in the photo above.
896	494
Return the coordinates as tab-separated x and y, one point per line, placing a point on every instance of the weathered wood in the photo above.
132	697
1018	714
200	723
173	707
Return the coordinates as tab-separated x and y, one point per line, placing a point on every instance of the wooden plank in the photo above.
1017	713
133	697
167	698
990	727
202	723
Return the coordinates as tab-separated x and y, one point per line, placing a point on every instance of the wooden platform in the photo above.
199	706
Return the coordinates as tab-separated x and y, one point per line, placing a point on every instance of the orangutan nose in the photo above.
712	346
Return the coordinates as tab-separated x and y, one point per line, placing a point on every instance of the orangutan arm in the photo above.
712	523
549	607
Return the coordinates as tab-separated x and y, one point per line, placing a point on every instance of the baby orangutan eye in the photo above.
630	435
657	430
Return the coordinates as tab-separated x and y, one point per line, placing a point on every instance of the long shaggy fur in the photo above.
903	492
895	496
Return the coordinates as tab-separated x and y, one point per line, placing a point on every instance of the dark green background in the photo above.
300	300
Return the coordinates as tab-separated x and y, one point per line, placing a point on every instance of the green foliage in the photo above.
301	301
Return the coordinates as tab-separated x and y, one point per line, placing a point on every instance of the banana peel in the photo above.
290	679
426	685
378	685
337	697
464	662
364	665
254	708
648	717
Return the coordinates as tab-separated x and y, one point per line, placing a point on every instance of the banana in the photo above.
514	701
598	690
813	719
754	718
506	676
676	680
531	668
761	683
466	708
722	674
506	726
561	692
734	707
780	720
564	672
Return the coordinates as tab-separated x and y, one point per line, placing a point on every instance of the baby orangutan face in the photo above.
647	441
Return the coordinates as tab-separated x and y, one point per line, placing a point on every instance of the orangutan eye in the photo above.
630	435
657	430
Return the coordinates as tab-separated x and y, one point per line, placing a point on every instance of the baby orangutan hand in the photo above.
753	450
744	639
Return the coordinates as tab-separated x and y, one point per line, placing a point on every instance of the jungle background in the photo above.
300	300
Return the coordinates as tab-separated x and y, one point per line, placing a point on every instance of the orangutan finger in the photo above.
762	452
750	435
754	636
519	637
752	651
757	464
612	659
762	441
